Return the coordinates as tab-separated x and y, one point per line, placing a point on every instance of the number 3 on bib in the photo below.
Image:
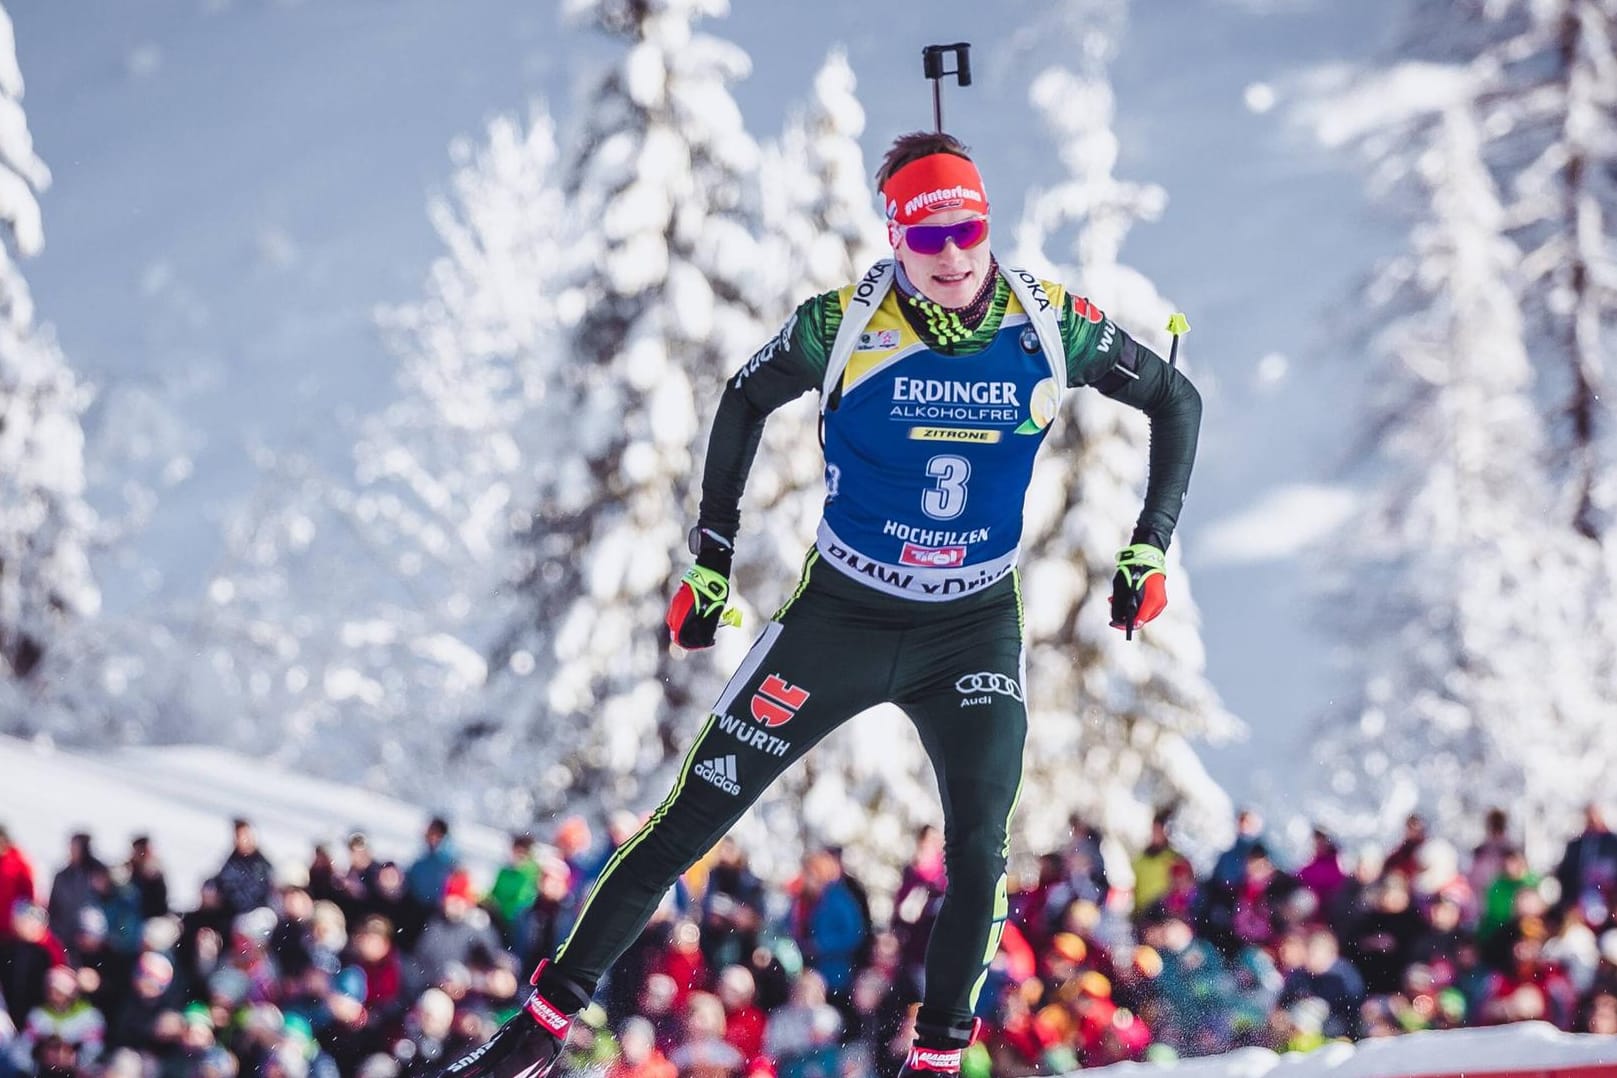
947	498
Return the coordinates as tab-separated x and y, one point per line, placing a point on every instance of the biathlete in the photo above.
939	373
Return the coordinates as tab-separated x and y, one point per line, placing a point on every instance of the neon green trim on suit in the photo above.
1002	898
802	583
1021	622
640	835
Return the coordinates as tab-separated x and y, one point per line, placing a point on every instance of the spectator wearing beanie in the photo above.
64	1014
460	936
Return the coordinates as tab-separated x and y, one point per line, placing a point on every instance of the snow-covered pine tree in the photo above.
45	523
1477	672
439	469
346	629
819	209
588	707
1496	122
1112	720
443	472
1544	84
350	613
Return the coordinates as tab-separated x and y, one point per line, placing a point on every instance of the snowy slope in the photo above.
239	182
185	797
1527	1048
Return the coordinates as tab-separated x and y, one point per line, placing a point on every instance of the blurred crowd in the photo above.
357	965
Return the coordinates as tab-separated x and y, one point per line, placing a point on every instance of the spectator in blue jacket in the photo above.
831	928
427	877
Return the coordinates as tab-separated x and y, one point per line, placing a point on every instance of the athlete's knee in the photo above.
974	856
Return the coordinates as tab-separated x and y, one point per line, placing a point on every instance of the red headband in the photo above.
931	184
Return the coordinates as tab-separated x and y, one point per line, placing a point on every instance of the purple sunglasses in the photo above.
931	239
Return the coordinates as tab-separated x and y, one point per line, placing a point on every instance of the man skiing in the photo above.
940	373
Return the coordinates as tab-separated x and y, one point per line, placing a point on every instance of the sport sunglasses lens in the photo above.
930	239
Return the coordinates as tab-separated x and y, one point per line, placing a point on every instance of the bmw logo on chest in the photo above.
1030	341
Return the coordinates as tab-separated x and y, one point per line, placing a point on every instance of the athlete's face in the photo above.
951	277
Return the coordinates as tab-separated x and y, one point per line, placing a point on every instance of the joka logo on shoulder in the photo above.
721	772
776	702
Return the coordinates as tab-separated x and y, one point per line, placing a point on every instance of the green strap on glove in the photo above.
1140	561
710	589
1139	590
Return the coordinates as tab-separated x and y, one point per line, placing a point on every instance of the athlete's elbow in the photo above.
1191	400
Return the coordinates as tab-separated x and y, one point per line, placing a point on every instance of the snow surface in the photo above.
185	797
1536	1047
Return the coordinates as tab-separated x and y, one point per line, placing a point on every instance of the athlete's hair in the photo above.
912	147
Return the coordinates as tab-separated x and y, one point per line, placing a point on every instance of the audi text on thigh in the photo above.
981	688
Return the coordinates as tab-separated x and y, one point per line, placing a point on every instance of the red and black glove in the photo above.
697	607
1140	588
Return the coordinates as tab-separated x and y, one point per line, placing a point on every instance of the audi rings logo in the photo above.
987	684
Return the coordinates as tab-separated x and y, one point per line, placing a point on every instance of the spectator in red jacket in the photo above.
16	881
744	1020
375	955
682	960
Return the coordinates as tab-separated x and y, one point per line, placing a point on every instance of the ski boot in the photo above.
530	1043
938	1048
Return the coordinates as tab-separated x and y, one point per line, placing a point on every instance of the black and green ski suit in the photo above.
917	622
